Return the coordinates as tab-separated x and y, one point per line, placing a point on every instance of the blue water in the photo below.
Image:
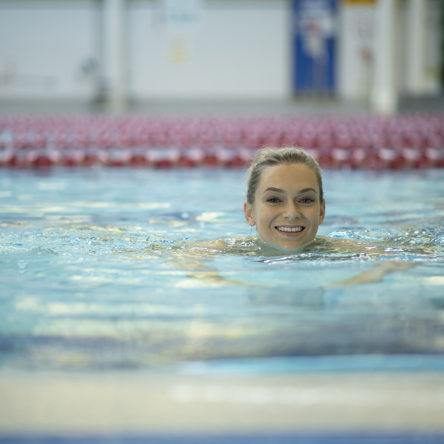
88	280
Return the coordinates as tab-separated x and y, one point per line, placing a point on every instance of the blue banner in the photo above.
314	46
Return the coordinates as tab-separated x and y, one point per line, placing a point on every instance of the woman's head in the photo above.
285	198
276	156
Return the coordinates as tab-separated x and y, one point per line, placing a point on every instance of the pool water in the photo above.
89	282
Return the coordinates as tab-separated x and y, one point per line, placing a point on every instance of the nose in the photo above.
292	211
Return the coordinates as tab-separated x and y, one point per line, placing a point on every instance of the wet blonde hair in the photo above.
277	156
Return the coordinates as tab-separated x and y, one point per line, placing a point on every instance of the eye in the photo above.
273	200
307	200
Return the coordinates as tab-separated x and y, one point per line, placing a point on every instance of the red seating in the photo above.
358	142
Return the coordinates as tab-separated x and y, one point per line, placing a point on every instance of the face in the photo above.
286	210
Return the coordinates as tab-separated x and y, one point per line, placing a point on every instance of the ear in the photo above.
322	213
248	212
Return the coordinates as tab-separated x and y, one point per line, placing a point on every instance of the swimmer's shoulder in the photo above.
254	246
226	246
340	245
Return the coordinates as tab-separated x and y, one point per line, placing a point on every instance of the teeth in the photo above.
290	229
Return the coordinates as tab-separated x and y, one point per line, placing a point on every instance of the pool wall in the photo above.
367	404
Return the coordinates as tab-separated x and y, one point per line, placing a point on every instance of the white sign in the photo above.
182	15
315	24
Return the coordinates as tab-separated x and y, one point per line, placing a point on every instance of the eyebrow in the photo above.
278	190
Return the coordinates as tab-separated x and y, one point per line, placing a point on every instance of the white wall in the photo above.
43	46
356	51
359	35
238	49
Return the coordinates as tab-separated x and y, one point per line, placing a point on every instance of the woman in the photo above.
285	202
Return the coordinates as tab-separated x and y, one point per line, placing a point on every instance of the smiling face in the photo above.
287	208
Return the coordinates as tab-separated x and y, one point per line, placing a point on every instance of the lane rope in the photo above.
358	142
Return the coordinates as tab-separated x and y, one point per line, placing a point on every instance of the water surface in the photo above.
88	280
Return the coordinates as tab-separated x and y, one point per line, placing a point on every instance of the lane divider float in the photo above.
360	142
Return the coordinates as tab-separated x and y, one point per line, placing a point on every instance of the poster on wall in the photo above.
182	16
314	46
182	19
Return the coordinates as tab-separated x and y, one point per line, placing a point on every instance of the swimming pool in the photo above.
88	285
88	280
